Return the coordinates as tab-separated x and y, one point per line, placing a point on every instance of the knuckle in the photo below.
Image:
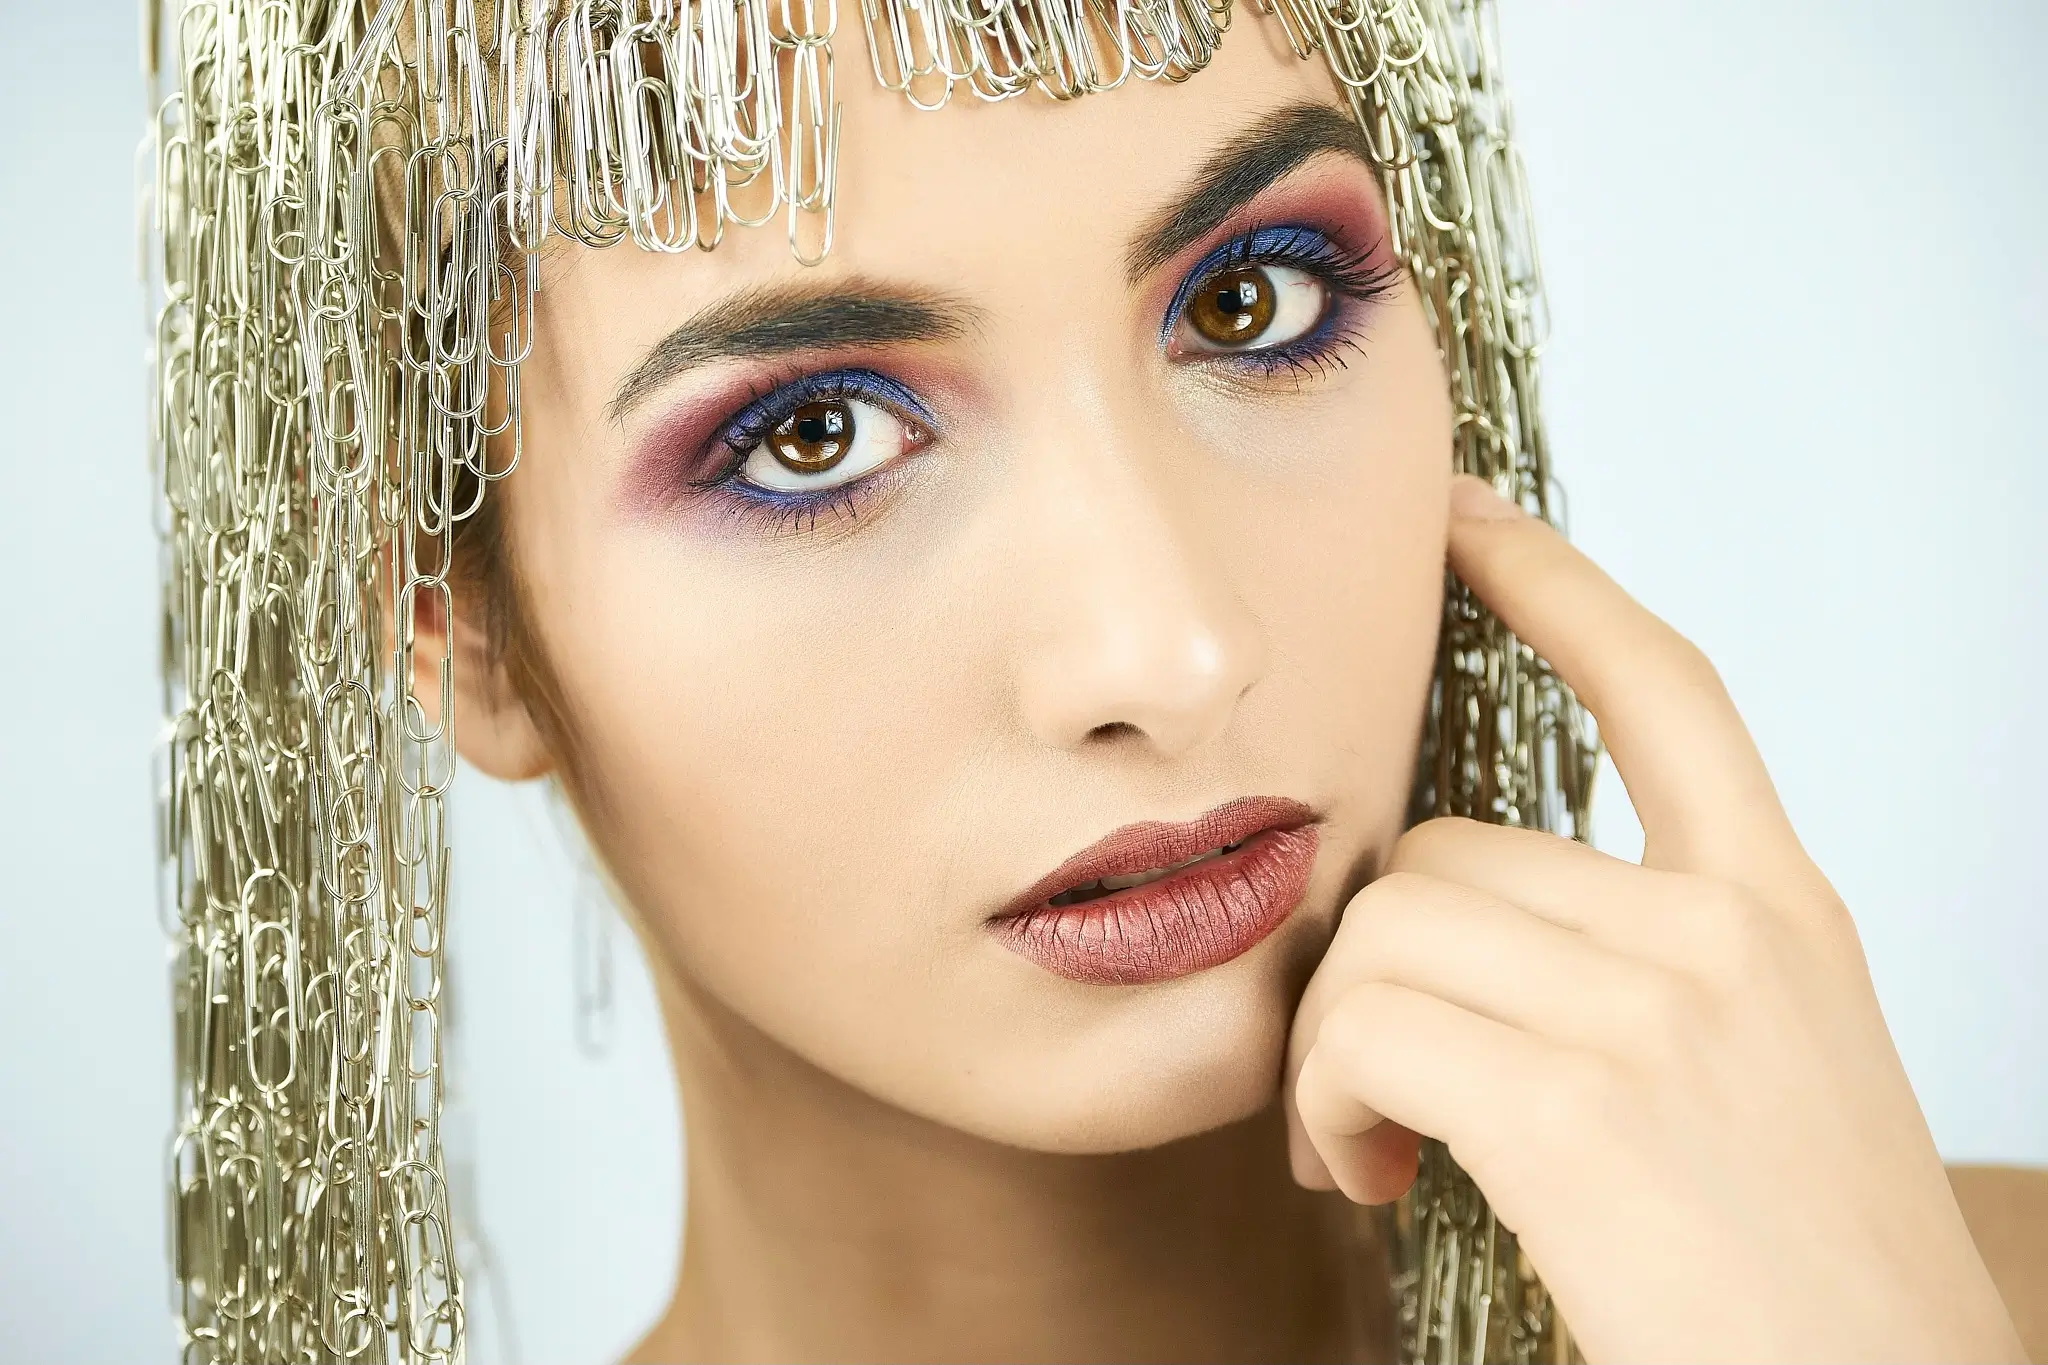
1385	904
1836	930
1578	1095
1666	1018
1693	665
1429	843
1357	1021
1398	886
1732	940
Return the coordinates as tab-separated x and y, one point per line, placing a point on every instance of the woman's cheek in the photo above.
770	736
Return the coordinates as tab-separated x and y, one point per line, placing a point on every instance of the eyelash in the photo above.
1354	279
770	510
772	405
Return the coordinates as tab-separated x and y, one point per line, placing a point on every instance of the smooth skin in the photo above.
1676	1082
1115	587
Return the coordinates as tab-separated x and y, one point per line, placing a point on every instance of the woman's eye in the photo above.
827	443
1247	307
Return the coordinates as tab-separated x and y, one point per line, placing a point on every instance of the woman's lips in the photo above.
1201	914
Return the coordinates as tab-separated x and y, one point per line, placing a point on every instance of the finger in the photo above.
1691	769
1566	882
1379	1161
1617	904
1705	929
1490	957
1388	1053
1482	954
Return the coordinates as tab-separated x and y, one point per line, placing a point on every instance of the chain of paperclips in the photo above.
1505	741
347	198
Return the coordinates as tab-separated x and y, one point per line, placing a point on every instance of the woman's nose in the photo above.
1133	627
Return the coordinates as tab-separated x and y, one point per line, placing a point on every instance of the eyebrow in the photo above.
1239	171
783	319
780	320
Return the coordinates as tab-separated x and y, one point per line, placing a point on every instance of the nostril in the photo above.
1116	729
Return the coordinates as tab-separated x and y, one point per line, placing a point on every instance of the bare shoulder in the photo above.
2007	1210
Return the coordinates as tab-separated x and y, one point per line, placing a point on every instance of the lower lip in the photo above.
1201	916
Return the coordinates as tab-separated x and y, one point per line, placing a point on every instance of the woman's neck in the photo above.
823	1224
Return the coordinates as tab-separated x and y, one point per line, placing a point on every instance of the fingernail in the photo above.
1311	1174
1306	1164
1473	499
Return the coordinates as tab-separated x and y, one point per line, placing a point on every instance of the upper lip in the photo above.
1154	843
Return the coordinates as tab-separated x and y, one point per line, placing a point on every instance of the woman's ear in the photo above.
494	730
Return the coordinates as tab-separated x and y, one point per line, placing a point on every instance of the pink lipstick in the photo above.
1154	901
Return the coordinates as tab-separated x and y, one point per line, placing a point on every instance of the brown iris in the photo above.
814	437
1233	306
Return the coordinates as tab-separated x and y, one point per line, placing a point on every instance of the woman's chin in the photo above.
1130	1123
1176	1080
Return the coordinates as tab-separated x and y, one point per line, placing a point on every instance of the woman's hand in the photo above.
1671	1080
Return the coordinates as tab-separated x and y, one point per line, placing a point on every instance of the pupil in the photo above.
810	430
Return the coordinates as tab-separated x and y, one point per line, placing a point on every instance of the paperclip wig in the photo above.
349	195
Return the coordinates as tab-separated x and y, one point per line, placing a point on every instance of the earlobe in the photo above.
494	730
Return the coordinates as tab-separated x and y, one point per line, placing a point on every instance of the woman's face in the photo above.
1097	477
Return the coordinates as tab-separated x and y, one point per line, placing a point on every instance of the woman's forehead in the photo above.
974	184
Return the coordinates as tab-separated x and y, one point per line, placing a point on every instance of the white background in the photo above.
1795	257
